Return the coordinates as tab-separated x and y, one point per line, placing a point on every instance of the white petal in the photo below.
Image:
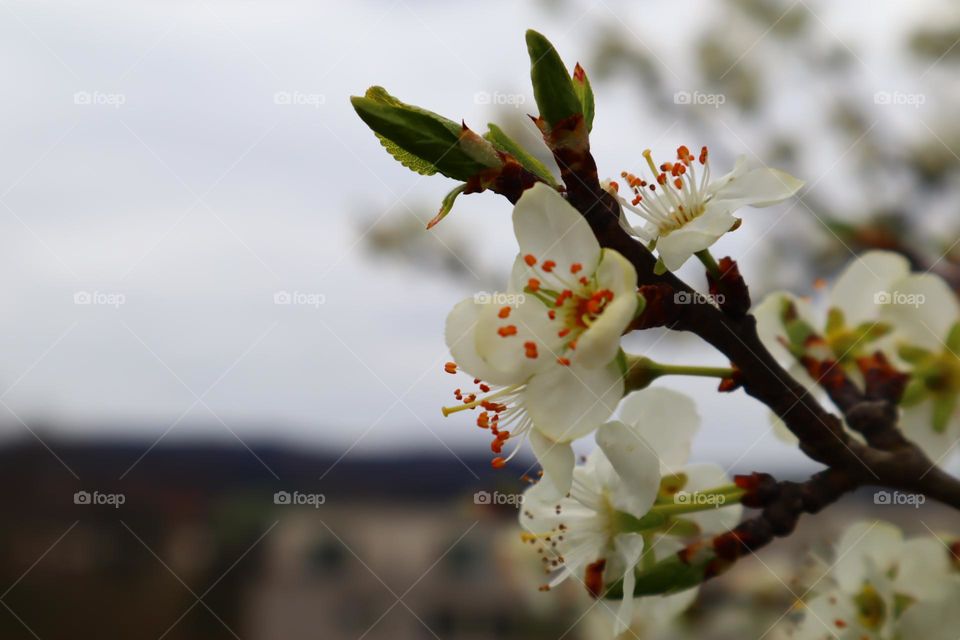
460	335
924	568
770	324
862	285
566	403
865	546
922	310
557	460
507	354
822	612
629	547
740	167
667	420
539	511
933	619
756	187
676	247
550	228
701	477
917	425
598	345
636	466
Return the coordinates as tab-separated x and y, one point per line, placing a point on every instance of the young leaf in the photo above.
506	144
552	84
407	159
422	140
667	576
447	205
581	84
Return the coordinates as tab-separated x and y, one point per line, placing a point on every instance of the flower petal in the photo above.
701	477
599	344
566	403
755	186
539	512
501	341
557	460
917	425
922	310
924	569
865	282
548	227
460	335
676	247
629	546
865	547
933	619
636	466
667	420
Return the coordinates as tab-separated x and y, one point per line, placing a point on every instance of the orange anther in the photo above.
530	259
548	265
508	330
504	312
450	367
533	284
498	463
576	267
530	349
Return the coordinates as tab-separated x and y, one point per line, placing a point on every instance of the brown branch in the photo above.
897	464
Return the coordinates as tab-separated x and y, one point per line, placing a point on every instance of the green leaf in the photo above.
670	575
407	159
835	320
506	144
552	85
912	354
446	205
943	408
422	140
581	85
953	338
915	392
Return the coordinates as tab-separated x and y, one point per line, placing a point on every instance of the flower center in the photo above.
573	302
674	196
871	609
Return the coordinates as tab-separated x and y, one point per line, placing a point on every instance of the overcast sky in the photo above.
182	162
